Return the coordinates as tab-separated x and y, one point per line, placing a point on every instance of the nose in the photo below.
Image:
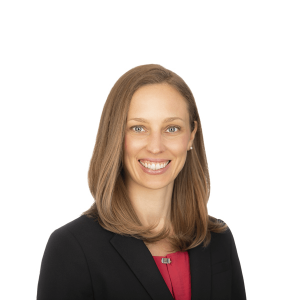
155	143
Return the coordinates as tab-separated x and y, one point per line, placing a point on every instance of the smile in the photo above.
154	166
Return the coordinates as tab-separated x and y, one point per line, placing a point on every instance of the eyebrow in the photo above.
164	121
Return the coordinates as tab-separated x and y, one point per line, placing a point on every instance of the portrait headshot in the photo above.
148	234
149	151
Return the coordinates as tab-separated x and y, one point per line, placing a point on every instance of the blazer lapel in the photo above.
141	262
200	268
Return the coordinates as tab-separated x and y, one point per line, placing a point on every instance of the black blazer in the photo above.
83	261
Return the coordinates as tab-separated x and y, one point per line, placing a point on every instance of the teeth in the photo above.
153	166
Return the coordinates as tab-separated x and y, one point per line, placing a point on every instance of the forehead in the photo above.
157	100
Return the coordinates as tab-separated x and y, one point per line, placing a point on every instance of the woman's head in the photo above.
157	128
153	93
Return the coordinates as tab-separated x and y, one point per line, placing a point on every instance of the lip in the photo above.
155	172
155	159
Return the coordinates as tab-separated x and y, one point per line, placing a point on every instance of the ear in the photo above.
193	135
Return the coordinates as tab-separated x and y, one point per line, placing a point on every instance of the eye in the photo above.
178	127
136	127
174	127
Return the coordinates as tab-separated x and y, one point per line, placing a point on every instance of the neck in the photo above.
151	205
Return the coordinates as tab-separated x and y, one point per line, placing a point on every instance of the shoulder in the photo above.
71	243
64	272
221	243
222	237
82	230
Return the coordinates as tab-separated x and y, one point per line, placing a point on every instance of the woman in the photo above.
148	234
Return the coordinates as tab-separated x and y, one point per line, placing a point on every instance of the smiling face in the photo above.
154	137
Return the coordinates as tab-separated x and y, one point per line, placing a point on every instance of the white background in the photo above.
58	62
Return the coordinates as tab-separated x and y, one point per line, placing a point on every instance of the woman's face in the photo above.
154	138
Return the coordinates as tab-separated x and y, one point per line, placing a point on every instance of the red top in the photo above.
176	274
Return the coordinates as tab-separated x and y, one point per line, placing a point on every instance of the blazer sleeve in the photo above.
238	287
64	272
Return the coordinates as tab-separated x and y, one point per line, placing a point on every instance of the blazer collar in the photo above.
200	267
136	254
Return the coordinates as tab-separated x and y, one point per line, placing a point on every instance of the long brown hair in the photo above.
112	207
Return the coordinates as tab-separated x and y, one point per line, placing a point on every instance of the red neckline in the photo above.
168	254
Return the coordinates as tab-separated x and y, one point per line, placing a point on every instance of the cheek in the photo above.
180	145
130	145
